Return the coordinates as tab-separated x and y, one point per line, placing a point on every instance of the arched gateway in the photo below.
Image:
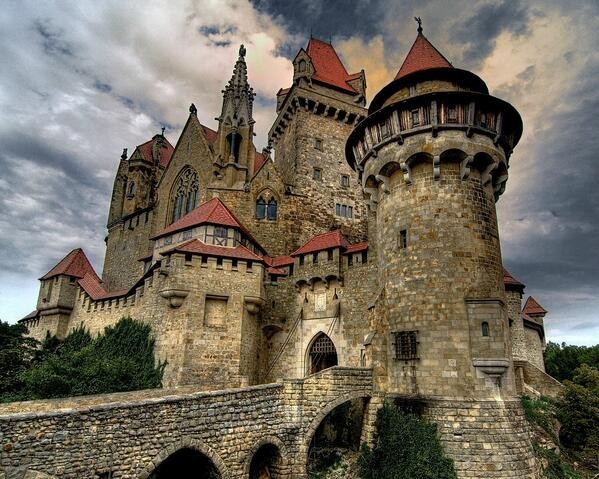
322	354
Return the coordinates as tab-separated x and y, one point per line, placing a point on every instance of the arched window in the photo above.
272	209
260	208
322	354
185	194
131	189
234	142
485	328
302	66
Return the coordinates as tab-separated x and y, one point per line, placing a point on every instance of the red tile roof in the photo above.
211	135
283	91
328	68
73	264
259	162
166	151
276	271
509	280
281	261
92	286
212	212
532	308
333	239
197	247
32	315
422	56
357	247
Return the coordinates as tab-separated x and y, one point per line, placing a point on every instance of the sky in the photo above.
82	80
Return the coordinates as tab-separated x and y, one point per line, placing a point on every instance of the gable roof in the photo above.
195	246
332	239
422	56
73	264
210	134
512	283
328	68
356	247
213	212
166	150
532	307
259	162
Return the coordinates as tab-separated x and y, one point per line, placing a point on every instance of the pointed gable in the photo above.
328	68
73	264
333	239
512	283
533	308
212	212
422	56
165	150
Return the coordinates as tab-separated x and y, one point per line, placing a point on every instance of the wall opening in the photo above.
336	441
186	464
266	463
322	354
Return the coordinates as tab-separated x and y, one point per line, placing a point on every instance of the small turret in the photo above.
236	126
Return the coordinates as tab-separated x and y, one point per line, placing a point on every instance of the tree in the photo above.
120	359
562	361
406	447
16	351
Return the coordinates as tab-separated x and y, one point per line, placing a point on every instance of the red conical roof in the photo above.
328	68
532	307
422	56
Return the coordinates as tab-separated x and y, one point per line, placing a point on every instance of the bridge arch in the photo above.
181	445
272	445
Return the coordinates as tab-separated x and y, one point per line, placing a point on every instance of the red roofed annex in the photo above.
358	237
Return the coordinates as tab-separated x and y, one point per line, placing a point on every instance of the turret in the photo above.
432	157
236	126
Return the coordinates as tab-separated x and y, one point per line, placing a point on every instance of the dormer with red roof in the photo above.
211	224
533	309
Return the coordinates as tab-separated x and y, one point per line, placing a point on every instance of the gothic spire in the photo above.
238	95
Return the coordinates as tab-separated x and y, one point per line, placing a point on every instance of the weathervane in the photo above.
419	20
163	128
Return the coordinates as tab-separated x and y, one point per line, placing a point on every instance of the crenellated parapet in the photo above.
475	130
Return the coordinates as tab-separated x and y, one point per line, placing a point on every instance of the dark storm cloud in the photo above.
327	20
479	31
53	40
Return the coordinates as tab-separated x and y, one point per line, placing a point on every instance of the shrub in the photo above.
120	359
406	447
16	352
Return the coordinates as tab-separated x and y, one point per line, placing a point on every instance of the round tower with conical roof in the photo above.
432	156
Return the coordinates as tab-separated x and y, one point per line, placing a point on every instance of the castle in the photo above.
370	241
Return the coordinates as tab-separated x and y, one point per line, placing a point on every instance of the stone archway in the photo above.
321	354
186	463
267	460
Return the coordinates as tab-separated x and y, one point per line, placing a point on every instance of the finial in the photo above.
419	20
192	109
163	128
242	51
124	155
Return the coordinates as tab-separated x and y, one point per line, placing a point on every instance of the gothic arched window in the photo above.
260	208
485	328
271	213
131	189
185	194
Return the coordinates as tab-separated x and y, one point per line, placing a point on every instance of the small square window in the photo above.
186	235
168	240
318	144
301	260
317	174
452	114
415	118
406	344
385	130
344	180
314	258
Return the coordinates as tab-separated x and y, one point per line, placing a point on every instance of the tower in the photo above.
432	156
314	117
236	127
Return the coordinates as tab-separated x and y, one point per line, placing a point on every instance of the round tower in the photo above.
432	156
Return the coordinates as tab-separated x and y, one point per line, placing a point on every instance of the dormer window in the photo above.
452	114
302	65
415	118
220	236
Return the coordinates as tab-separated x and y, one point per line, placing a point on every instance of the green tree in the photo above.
578	412
16	352
120	359
406	447
562	360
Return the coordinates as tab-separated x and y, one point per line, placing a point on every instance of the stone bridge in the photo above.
128	435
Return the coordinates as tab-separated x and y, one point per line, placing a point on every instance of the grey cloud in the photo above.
52	39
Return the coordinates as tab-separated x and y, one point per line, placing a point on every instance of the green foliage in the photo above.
406	447
555	467
16	352
120	359
562	361
541	412
578	412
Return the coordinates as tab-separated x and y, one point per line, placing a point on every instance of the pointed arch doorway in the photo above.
322	354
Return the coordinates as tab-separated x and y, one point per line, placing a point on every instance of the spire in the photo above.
238	95
422	56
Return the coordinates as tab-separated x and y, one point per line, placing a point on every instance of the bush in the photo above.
540	412
406	447
120	359
16	353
